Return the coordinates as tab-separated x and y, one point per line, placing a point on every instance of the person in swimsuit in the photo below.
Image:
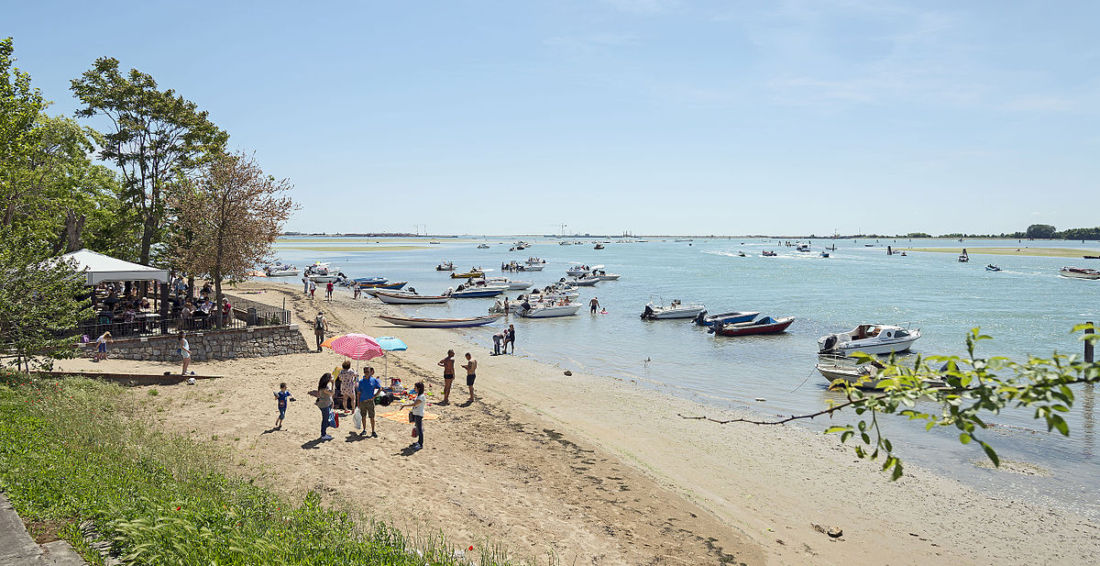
448	365
471	373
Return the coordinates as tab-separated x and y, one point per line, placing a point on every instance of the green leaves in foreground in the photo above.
961	392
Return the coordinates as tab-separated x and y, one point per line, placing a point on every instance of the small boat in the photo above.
586	281
869	339
1079	273
321	273
369	281
803	248
434	243
741	254
446	266
513	285
863	376
992	267
675	309
725	318
528	310
565	243
1092	257
468	275
768	253
441	322
483	246
535	261
280	270
605	276
598	247
579	270
963	257
824	254
387	285
766	325
409	298
477	291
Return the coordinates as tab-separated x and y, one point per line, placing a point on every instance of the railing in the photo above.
245	313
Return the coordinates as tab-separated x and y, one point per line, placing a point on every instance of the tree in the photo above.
39	304
20	105
158	137
228	218
964	390
1042	231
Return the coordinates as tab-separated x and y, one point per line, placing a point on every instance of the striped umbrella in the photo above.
357	347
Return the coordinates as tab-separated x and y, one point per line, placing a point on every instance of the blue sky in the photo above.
645	115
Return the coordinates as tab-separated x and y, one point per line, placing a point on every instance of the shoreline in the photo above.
760	488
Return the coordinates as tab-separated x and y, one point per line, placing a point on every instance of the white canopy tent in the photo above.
100	268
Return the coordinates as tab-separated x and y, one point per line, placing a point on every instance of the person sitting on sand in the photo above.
471	373
448	365
281	397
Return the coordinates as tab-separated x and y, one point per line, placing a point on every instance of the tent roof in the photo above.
101	268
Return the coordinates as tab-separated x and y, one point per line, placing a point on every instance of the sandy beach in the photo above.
591	469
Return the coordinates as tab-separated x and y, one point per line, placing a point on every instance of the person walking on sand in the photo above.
101	346
281	397
320	325
510	338
324	403
471	373
312	289
328	291
593	305
305	284
184	351
417	413
368	387
448	365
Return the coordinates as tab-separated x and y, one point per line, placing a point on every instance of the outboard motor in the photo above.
830	343
648	313
701	319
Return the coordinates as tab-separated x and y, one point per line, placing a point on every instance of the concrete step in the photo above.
61	553
17	548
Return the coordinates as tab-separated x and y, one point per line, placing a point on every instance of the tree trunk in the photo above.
148	227
218	299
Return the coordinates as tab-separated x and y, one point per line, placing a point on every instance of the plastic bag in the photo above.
357	419
415	433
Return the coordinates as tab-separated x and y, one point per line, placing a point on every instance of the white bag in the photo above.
357	419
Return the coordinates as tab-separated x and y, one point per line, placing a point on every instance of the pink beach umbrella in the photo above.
357	347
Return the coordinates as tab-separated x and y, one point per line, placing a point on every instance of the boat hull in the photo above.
882	348
549	312
410	299
467	275
661	313
1077	273
478	293
751	329
391	286
440	322
323	278
282	273
725	318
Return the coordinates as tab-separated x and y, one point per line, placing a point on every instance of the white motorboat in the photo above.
403	298
513	285
483	246
869	339
320	272
1079	273
535	261
547	310
863	376
586	281
675	309
477	291
280	270
803	248
578	271
530	267
605	276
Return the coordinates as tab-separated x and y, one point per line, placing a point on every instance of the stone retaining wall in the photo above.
251	342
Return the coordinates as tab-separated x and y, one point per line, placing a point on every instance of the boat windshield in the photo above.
901	333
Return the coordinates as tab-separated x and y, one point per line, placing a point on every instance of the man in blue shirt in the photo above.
367	387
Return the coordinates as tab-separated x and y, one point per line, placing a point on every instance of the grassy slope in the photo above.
68	453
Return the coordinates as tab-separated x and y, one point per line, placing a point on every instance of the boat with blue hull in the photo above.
725	318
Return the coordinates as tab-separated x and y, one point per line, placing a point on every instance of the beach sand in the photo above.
592	469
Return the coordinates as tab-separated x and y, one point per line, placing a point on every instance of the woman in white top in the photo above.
185	351
417	413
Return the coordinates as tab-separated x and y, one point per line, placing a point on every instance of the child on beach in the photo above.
345	386
282	396
101	346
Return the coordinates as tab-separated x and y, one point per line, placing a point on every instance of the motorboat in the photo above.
473	273
547	311
445	266
1079	273
992	267
409	298
605	276
322	273
768	253
598	247
477	291
803	248
703	319
280	270
766	325
483	246
741	254
864	376
578	271
585	281
963	257
390	286
824	254
675	309
869	339
441	322
535	261
565	243
530	267
513	285
370	281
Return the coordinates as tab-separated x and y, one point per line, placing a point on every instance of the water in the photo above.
1026	307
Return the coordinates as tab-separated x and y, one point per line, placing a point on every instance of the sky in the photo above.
648	116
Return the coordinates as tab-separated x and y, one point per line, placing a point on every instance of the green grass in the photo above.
74	450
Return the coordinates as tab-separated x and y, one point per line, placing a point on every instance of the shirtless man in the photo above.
448	365
471	373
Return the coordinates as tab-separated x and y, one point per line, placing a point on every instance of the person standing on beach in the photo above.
497	339
324	403
184	351
312	288
281	396
328	291
593	305
305	284
346	394
448	365
471	373
101	346
417	413
368	387
320	325
510	338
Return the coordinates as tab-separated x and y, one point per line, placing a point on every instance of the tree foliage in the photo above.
227	219
1041	231
963	393
157	138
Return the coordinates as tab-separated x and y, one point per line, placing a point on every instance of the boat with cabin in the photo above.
675	309
445	266
765	325
869	339
320	272
1079	273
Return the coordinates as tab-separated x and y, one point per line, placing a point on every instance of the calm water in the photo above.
1026	307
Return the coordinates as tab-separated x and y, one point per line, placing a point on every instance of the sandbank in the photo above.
1020	251
592	469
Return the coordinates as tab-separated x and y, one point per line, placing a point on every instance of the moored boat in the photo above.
675	309
322	273
605	276
440	322
1079	273
703	319
768	253
409	298
869	339
280	270
469	274
598	247
477	291
766	325
445	266
483	246
585	281
513	285
537	310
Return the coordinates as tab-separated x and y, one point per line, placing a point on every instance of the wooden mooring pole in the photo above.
1088	345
